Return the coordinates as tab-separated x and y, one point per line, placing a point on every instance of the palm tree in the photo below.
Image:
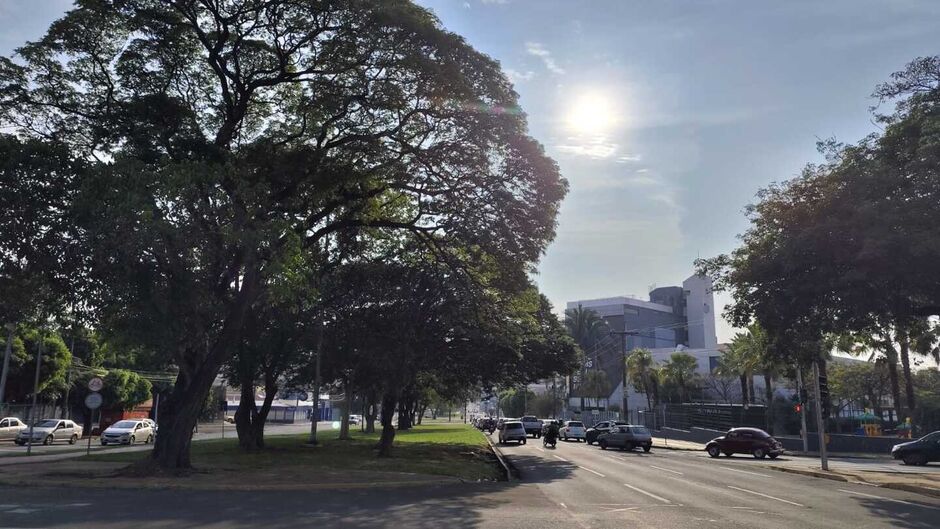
680	370
742	359
585	326
644	374
595	385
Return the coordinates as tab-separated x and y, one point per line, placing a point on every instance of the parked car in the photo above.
626	438
919	452
48	431
594	431
512	431
355	419
572	430
153	425
127	432
752	441
532	425
10	427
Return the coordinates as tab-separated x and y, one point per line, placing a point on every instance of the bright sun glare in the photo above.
591	113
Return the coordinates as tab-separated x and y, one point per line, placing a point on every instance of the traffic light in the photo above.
798	407
824	395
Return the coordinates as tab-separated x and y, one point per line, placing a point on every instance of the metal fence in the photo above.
22	411
703	415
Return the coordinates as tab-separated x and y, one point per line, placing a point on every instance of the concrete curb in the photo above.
503	460
686	449
811	473
907	487
104	484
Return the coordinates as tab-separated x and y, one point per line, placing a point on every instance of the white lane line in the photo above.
592	471
666	470
745	472
539	449
650	494
560	458
563	506
766	496
856	493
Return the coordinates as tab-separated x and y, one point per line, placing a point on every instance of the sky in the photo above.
666	117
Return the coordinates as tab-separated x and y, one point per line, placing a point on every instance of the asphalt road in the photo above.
573	486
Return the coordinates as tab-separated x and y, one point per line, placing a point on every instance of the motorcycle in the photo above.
549	440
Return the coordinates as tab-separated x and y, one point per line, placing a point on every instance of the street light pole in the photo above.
801	389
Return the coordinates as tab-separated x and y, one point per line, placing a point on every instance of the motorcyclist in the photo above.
551	433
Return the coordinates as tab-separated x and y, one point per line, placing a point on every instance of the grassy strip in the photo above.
438	449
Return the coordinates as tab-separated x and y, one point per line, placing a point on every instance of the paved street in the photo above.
572	486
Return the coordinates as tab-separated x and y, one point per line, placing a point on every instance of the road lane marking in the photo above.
592	471
650	494
666	470
537	448
745	472
563	506
885	498
766	496
560	458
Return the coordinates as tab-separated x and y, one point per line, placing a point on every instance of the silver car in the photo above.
127	432
48	431
512	431
10	427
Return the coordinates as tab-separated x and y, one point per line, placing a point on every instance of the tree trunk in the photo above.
404	415
371	409
744	397
750	388
347	404
908	378
179	413
389	400
891	359
769	398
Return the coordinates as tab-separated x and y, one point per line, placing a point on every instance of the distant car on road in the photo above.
754	441
127	432
572	430
919	452
48	431
626	438
10	427
604	426
533	425
512	431
355	419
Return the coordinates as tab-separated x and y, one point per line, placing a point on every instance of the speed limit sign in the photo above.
95	384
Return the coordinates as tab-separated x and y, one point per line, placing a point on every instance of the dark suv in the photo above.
752	441
919	452
602	427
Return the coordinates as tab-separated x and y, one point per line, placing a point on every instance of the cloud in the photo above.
495	1
591	150
538	50
628	158
519	77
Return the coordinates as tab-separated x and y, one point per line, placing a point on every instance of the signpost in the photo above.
95	384
93	402
820	425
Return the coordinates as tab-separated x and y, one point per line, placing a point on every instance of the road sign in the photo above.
95	384
93	401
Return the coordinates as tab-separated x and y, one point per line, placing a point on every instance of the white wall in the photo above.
700	312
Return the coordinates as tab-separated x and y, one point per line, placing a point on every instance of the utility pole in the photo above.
820	426
623	369
315	417
6	363
32	409
801	390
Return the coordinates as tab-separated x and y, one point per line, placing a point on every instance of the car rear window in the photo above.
529	419
576	424
639	430
513	425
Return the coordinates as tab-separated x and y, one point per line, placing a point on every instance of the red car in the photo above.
752	441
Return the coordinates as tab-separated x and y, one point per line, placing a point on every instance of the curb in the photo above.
234	488
811	473
907	487
502	459
667	447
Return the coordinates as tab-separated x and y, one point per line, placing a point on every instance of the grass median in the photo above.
442	449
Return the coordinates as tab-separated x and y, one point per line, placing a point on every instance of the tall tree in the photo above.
216	133
680	370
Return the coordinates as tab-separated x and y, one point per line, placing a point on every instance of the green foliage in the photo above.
124	389
52	373
585	326
644	375
679	374
863	384
514	403
595	384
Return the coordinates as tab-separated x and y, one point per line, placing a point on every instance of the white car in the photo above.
355	419
127	432
572	430
48	431
10	427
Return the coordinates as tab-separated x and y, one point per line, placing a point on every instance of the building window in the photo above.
713	363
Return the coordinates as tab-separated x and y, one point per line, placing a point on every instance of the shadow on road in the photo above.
888	511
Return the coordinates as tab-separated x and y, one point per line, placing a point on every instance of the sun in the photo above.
591	113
